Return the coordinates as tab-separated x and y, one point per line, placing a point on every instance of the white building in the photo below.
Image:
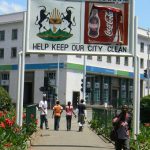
110	78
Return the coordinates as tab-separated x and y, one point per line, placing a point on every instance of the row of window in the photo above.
99	58
118	59
13	52
14	34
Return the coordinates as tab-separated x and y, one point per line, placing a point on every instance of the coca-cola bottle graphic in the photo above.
93	24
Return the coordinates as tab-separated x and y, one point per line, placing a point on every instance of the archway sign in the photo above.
94	27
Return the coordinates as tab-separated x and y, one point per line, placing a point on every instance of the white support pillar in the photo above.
135	97
84	79
131	26
82	40
148	67
58	71
138	98
22	72
18	89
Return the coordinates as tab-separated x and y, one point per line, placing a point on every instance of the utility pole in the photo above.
84	79
148	65
57	86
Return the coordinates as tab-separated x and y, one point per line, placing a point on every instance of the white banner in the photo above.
59	26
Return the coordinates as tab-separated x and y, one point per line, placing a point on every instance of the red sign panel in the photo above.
106	24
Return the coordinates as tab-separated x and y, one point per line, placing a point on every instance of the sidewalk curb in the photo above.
33	137
105	139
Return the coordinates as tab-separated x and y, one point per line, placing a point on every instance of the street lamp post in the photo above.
84	80
148	65
57	86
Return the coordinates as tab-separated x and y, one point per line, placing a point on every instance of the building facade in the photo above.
109	78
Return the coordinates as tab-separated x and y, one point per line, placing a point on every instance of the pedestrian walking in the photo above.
57	111
122	126
81	109
43	112
69	112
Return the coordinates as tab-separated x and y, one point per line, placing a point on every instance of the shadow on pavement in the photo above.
69	146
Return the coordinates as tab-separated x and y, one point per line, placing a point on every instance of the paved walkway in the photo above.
68	140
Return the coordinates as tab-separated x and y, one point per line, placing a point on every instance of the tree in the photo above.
5	100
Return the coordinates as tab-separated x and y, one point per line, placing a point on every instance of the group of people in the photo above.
121	122
57	111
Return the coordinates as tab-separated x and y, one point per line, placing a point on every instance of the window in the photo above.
132	61
14	34
5	76
27	55
142	47
117	60
126	61
78	56
55	55
89	57
2	35
14	52
51	75
1	52
109	59
142	63
41	55
99	58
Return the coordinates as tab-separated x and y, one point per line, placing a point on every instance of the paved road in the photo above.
68	140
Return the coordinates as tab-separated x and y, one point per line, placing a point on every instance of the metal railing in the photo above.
104	119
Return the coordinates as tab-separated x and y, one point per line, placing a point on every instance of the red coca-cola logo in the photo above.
109	23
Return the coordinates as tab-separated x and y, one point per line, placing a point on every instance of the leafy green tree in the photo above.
5	100
145	101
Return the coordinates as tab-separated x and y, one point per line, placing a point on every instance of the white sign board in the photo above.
78	27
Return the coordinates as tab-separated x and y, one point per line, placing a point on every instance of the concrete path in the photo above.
68	140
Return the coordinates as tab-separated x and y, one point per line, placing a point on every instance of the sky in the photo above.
142	10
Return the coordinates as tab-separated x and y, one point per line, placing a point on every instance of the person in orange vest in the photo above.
57	111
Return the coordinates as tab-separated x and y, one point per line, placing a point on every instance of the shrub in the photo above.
5	100
145	101
12	136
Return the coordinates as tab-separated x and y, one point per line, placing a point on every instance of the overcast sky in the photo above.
142	9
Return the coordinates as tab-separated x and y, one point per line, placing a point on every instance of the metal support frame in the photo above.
136	99
148	67
136	107
58	70
21	69
84	80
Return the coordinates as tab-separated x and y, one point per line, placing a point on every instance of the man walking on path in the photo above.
43	112
81	114
57	110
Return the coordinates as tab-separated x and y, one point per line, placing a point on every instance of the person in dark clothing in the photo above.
122	125
81	114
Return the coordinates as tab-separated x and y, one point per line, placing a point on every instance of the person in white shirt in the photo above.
43	112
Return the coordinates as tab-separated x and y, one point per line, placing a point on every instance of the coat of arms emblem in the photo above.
59	24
